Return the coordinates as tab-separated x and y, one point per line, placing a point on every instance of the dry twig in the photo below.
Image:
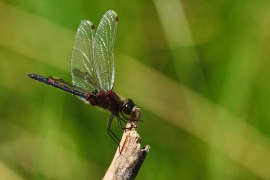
128	160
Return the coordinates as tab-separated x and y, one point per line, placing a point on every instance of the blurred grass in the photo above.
199	70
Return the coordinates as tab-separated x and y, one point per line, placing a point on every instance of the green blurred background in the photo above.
199	70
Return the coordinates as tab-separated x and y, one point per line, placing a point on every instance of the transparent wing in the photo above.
68	87
83	70
67	84
103	49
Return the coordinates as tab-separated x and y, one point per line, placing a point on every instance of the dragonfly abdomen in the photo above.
52	82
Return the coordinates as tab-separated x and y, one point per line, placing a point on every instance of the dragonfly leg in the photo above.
109	131
123	119
128	119
119	119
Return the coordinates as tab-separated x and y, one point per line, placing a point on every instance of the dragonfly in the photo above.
93	72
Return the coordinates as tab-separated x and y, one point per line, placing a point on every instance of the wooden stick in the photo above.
129	158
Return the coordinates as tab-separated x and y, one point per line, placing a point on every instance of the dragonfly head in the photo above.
128	106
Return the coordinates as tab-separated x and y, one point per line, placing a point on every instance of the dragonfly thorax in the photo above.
111	101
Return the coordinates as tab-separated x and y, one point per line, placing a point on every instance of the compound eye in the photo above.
128	106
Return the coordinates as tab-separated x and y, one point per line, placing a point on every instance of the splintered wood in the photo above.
129	158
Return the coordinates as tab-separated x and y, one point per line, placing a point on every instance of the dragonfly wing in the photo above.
83	70
67	84
81	93
103	47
